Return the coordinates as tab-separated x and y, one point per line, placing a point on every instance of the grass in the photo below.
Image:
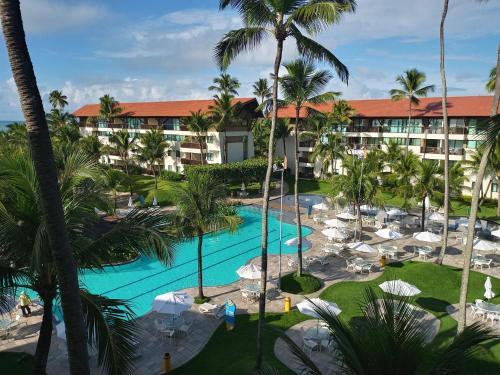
144	185
305	284
231	352
16	363
199	300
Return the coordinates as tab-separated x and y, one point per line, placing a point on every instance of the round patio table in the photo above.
317	333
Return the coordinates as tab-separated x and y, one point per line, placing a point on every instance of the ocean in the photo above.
3	124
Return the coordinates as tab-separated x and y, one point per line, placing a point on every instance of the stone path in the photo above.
453	311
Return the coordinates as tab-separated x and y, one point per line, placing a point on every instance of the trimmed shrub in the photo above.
170	176
306	284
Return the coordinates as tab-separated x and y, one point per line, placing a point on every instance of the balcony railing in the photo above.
190	161
440	150
303	159
450	130
195	145
308	143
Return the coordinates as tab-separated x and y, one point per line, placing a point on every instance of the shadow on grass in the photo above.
433	304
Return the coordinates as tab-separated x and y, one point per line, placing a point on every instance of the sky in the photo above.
153	50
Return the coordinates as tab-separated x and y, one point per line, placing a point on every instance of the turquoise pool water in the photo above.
223	253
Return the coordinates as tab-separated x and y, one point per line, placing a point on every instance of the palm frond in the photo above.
489	130
236	41
306	363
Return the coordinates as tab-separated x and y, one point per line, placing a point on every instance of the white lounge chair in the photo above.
211	309
480	263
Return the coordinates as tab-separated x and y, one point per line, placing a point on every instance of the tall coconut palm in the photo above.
492	131
92	146
123	143
341	113
260	133
472	165
428	184
225	84
280	21
301	86
25	243
283	130
328	152
57	118
490	85
412	88
262	90
393	153
57	99
389	338
405	169
49	194
151	151
201	208
199	123
112	180
109	108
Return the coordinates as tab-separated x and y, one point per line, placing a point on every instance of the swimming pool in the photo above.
305	200
223	253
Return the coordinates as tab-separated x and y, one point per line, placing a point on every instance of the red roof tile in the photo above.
178	108
458	106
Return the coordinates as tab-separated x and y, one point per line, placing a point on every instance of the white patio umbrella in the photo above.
388	234
488	292
463	222
249	271
496	233
361	247
321	206
346	216
484	245
295	241
334	233
396	212
435	216
243	187
130	203
172	303
399	288
335	223
155	202
427	236
308	307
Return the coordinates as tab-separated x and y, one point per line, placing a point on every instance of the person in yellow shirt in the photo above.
25	302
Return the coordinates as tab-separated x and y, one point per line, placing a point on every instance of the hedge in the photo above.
250	170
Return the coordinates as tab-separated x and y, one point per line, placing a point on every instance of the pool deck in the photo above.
182	349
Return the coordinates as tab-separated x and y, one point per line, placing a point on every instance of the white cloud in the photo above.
45	16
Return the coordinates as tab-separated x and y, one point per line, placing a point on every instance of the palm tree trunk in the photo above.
296	193
446	138
284	146
154	176
360	220
265	207
473	212
498	196
408	127
44	339
200	265
422	222
43	159
200	143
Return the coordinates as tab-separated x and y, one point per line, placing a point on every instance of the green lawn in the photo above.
16	363
234	352
144	185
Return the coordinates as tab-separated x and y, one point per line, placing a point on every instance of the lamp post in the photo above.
276	168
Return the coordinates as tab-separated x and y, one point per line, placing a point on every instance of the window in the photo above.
474	144
169	168
134	122
494	187
210	139
457	123
171	123
177	154
103	134
472	126
174	137
210	156
457	144
101	123
414	141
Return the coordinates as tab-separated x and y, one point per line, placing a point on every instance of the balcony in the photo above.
194	145
365	129
450	130
308	143
190	161
440	150
304	159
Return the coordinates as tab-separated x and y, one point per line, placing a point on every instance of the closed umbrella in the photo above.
388	234
155	202
321	206
435	216
399	288
335	223
496	233
334	233
361	247
396	212
308	307
484	245
172	303
463	222
346	216
249	271
130	203
295	241
488	292
427	236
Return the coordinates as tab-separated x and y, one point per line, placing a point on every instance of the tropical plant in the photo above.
57	118
358	185
405	168
472	165
202	208
14	138
393	153
328	151
283	130
280	21
92	146
262	90
122	143
113	180
151	151
48	196
109	108
200	124
412	88
224	84
260	132
490	85
341	113
389	338
25	243
428	185
57	99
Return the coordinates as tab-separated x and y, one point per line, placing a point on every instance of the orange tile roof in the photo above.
458	106
178	108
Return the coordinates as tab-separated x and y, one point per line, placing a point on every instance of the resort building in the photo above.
233	144
377	121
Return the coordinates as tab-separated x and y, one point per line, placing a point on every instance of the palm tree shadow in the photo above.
433	304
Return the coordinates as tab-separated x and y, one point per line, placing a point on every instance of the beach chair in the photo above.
480	263
185	328
212	309
477	311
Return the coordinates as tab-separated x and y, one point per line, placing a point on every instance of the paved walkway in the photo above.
453	311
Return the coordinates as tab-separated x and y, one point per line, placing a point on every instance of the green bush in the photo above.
250	170
170	176
135	169
164	197
306	284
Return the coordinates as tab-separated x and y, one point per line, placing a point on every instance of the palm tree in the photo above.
428	184
393	153
490	85
92	146
405	169
491	131
109	108
280	21
225	84
283	130
58	99
260	133
201	208
341	113
389	338
49	195
23	235
57	118
123	144
112	180
328	152
262	90
152	150
200	124
302	85
412	87
359	184
16	136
